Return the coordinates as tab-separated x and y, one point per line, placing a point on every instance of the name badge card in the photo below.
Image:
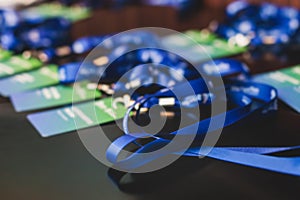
287	82
53	96
18	64
39	78
211	45
76	117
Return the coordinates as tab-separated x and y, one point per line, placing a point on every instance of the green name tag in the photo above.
4	54
42	77
73	13
76	117
283	78
199	46
287	82
18	64
53	96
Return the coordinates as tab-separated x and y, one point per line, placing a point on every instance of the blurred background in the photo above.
119	15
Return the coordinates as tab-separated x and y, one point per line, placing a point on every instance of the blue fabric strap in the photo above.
250	98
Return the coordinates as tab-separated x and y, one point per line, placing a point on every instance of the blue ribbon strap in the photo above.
243	94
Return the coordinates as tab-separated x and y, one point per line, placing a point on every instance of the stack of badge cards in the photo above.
287	82
32	86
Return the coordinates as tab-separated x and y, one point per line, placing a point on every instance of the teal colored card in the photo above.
287	82
201	45
4	54
49	10
42	77
53	96
18	64
79	116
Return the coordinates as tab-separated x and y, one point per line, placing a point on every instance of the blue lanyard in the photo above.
249	156
79	46
251	98
144	74
241	93
121	62
84	44
120	65
264	25
117	46
40	34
